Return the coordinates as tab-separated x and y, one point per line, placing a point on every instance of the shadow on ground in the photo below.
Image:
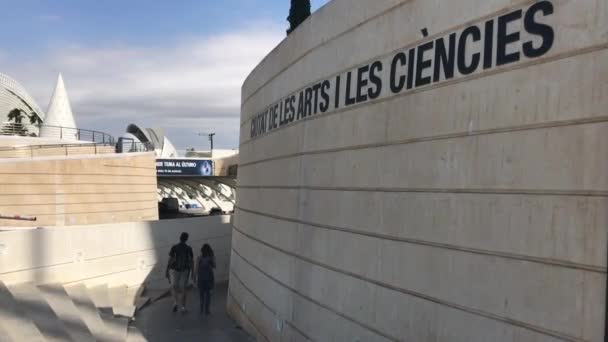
158	323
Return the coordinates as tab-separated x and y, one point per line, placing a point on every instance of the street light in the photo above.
210	135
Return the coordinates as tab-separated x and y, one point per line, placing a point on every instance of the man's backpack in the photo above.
181	255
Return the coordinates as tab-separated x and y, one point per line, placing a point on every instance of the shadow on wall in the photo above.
128	254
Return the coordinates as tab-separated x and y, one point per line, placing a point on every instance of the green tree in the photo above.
299	11
15	124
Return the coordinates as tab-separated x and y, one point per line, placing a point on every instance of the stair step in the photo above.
35	307
118	296
127	311
134	335
134	293
88	311
58	299
141	302
16	325
116	327
4	336
99	295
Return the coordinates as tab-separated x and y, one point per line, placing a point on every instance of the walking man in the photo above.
179	269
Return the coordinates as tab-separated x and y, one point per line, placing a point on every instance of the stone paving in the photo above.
158	323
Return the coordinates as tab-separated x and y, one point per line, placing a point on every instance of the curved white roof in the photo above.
13	95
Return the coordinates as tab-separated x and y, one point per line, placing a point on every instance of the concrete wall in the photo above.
121	253
78	190
473	208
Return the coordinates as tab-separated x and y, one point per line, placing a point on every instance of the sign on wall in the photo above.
184	167
513	37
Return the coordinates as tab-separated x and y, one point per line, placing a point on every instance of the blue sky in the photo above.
173	64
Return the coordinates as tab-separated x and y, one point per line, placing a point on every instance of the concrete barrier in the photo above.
116	254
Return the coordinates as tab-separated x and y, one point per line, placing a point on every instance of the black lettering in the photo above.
275	115
337	98
475	34
374	77
281	114
422	64
504	39
324	106
445	59
308	102
410	68
349	99
488	45
397	86
301	106
544	31
315	89
292	108
285	111
362	83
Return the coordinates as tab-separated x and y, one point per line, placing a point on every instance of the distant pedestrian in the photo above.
204	278
179	269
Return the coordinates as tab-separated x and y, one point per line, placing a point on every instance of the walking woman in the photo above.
204	278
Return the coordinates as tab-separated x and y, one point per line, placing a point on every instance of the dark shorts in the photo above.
179	280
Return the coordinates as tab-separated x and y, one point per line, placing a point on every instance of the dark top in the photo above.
205	276
181	257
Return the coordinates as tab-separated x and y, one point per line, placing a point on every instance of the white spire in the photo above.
59	114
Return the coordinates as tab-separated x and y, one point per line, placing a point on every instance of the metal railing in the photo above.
128	145
32	151
56	132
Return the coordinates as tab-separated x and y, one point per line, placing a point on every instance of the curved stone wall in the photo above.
427	171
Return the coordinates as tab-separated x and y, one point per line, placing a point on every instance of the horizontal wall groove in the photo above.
315	302
73	203
458	135
78	183
158	247
504	255
37	267
76	193
488	315
481	75
268	307
131	167
240	307
76	174
97	212
527	192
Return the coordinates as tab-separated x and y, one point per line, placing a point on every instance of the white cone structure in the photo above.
59	121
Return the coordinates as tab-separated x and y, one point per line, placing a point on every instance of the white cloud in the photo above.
184	86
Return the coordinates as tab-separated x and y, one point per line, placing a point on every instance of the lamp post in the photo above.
210	135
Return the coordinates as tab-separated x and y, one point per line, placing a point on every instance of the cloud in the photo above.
184	86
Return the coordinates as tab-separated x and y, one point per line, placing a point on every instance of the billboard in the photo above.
184	167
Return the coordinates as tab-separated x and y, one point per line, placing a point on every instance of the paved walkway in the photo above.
158	323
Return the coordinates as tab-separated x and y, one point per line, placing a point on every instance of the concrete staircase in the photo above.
75	313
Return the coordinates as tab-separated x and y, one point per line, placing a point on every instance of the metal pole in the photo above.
211	140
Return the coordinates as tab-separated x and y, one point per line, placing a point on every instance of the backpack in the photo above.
182	257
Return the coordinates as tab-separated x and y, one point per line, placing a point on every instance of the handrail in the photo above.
62	149
62	133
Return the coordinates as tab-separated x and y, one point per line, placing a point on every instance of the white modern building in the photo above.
14	96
